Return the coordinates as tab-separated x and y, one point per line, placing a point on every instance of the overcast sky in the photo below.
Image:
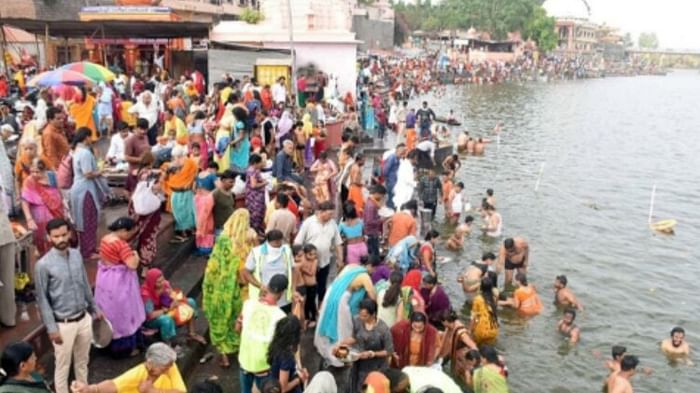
674	21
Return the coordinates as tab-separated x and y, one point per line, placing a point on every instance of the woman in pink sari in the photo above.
203	209
41	202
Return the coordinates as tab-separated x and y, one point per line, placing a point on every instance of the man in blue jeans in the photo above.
256	324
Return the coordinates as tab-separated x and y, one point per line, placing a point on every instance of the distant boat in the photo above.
451	122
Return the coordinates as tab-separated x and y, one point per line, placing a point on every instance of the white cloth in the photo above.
148	112
427	146
405	183
116	147
279	93
457	204
40	113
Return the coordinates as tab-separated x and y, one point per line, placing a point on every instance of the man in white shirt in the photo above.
147	108
321	230
279	91
115	154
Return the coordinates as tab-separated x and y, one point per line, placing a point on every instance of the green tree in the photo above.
540	28
648	41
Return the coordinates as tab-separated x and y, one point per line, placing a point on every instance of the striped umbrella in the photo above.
94	71
60	77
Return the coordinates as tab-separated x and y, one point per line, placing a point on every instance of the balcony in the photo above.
210	7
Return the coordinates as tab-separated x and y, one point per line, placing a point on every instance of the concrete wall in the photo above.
238	63
46	9
370	31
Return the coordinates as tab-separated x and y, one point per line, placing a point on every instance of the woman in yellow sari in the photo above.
222	289
180	178
484	320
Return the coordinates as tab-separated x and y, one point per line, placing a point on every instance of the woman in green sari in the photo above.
489	378
222	297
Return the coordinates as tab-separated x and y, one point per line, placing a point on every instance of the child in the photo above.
447	185
297	277
308	275
325	170
490	199
456	204
456	241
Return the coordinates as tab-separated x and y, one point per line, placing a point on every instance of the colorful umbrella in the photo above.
94	71
60	77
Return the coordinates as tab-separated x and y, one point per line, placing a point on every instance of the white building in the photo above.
322	35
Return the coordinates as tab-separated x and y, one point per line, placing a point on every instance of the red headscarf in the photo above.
413	279
148	288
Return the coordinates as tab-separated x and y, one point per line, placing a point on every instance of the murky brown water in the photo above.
604	144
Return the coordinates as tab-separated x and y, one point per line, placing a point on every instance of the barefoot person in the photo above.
494	222
514	254
471	278
563	296
676	346
568	328
620	382
456	241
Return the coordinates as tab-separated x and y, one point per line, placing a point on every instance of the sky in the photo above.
675	22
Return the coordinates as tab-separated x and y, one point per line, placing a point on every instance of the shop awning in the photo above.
111	28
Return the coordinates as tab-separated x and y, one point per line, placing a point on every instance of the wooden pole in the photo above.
39	60
46	45
66	51
104	46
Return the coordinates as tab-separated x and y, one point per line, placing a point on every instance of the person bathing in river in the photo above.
455	204
563	296
619	382
462	140
676	347
471	278
480	146
456	241
471	143
513	254
525	299
494	222
490	199
451	163
568	328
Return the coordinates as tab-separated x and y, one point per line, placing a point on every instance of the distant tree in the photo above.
540	28
627	40
648	41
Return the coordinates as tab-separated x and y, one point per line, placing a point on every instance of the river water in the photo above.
604	144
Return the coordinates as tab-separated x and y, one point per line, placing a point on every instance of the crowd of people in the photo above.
298	238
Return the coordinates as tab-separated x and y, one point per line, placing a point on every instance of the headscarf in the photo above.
148	288
243	239
377	383
413	279
323	382
285	124
308	125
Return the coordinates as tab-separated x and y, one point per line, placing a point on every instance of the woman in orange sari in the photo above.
41	202
82	112
180	177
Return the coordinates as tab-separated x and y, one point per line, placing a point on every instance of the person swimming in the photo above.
462	140
493	226
568	328
676	347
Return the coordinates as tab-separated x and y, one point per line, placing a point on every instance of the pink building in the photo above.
322	35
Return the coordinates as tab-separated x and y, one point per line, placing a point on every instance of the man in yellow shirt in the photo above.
173	122
158	374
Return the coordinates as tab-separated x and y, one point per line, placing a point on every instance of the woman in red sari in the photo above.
416	342
41	202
